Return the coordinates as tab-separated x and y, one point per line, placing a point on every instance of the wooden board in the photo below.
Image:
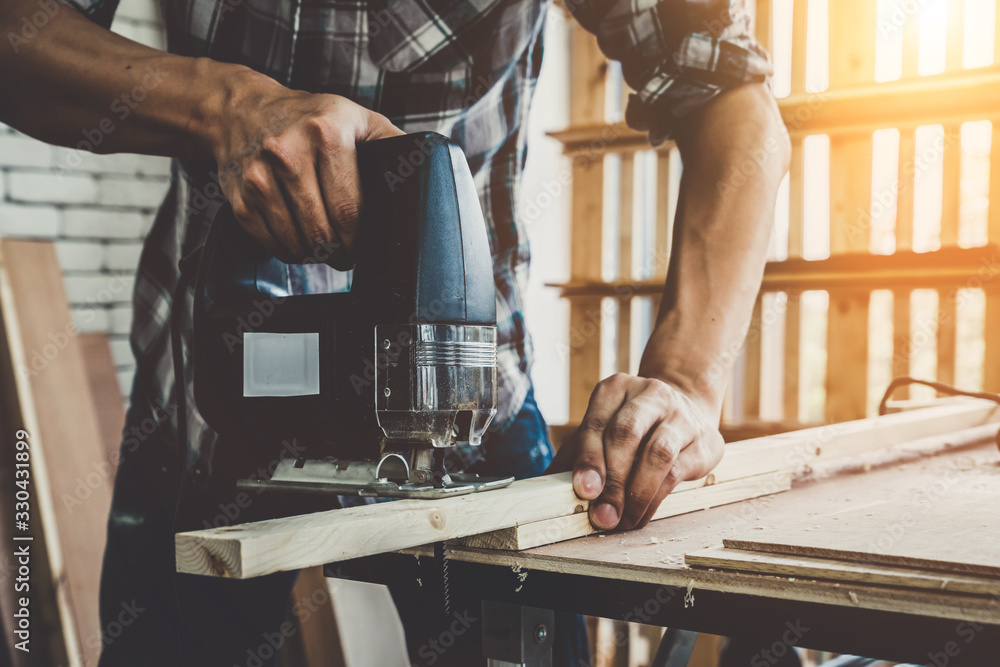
952	526
104	389
803	567
254	549
655	554
528	536
71	485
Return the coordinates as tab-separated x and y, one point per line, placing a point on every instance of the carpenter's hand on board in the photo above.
640	438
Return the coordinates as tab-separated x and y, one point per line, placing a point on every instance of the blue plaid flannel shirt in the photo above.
464	68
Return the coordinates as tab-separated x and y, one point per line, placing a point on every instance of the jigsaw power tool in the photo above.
376	383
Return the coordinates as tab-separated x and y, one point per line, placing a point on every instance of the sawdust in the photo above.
689	595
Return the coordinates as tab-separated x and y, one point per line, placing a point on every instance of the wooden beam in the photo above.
255	549
952	98
291	543
67	446
804	567
945	268
531	535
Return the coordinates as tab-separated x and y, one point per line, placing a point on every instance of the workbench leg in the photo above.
675	648
516	636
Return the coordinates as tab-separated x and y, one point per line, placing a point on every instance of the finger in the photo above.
589	469
656	461
340	185
255	225
377	126
262	194
692	463
305	201
624	434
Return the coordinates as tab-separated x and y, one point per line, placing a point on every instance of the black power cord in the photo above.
940	387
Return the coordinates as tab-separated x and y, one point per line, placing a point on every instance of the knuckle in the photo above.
614	486
673	477
660	390
625	429
255	181
660	452
594	424
345	214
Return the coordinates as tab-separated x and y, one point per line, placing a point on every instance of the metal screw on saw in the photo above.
386	344
386	392
541	634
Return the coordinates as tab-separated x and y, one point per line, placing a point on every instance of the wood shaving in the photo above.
689	595
854	597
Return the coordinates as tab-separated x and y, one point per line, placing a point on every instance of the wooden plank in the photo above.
950	267
107	395
945	528
626	194
664	216
255	549
991	361
804	567
251	550
791	370
531	535
584	354
951	196
752	363
905	189
587	78
947	316
852	34
847	317
67	445
800	28
955	40
902	340
655	554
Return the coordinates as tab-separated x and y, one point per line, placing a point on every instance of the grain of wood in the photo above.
802	567
531	535
67	444
255	549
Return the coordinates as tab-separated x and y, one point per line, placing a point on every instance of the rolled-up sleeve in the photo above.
101	12
677	55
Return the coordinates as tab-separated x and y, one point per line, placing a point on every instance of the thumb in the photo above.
378	126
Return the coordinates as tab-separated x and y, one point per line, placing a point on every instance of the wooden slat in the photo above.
952	267
107	395
852	39
531	535
991	361
584	354
790	379
626	219
664	215
847	318
66	439
956	35
764	23
724	558
800	24
951	197
256	549
796	200
911	44
905	189
947	315
901	338
587	78
752	364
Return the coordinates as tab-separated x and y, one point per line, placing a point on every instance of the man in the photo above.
262	102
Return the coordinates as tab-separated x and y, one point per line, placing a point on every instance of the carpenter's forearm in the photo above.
76	84
735	155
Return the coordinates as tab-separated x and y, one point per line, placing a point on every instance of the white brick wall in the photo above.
97	209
